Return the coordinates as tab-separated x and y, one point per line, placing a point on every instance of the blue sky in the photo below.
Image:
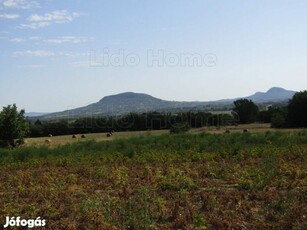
56	55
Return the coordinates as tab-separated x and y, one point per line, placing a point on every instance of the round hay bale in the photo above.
48	141
245	131
74	136
109	134
50	135
82	136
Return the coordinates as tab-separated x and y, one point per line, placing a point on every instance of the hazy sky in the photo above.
57	54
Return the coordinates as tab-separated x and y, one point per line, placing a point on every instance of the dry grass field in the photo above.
65	139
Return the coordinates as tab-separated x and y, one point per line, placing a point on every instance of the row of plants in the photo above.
225	145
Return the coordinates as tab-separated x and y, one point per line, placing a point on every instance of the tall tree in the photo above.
297	110
246	110
13	126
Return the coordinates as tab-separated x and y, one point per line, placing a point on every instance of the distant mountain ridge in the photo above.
35	114
274	94
128	102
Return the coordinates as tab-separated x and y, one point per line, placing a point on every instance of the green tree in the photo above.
297	110
13	126
246	110
278	120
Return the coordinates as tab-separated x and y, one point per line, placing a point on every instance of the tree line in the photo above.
129	122
293	115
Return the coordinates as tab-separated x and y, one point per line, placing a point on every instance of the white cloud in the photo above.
9	16
35	38
58	16
68	39
85	63
59	40
35	26
80	64
44	53
21	4
72	54
34	53
18	40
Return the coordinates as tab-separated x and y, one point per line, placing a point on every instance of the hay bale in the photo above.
48	141
245	131
109	134
74	136
82	136
50	135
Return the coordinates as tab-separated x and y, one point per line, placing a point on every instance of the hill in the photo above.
35	114
124	103
274	94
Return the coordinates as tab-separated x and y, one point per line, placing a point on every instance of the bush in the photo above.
278	120
179	128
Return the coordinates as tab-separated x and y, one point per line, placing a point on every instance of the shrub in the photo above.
278	120
179	128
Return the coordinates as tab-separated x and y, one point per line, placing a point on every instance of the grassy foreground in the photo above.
200	181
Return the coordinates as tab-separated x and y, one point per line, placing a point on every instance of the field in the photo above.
205	179
67	139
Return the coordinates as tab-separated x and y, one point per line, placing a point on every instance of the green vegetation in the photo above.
278	120
297	116
184	181
182	127
13	126
129	122
247	111
292	115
